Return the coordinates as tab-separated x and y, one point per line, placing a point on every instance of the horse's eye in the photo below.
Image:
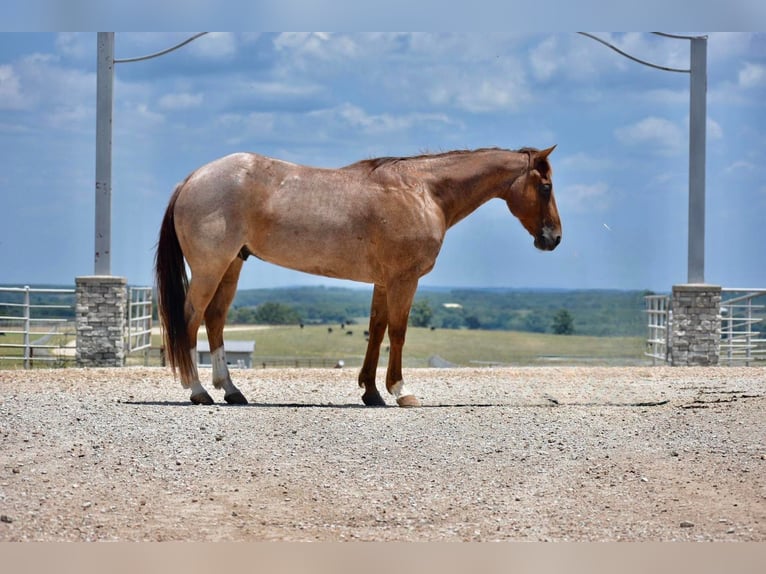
545	188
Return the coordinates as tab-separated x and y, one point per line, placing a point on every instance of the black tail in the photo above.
172	284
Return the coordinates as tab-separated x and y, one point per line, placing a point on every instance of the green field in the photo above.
315	346
462	347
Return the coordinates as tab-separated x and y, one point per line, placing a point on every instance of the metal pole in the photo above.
104	106
27	326
697	130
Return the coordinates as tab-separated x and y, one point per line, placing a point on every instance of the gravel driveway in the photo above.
537	453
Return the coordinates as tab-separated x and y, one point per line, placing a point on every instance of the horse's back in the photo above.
334	222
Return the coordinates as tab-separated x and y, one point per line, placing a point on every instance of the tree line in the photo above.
586	312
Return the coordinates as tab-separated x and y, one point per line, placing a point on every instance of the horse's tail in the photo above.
172	284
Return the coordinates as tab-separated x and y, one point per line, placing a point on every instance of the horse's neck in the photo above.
464	183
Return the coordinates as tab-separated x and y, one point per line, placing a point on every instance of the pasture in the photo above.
279	345
461	347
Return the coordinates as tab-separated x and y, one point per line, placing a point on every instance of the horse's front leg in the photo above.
378	324
399	299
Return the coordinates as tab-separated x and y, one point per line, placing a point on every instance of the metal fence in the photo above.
741	341
658	317
742	312
37	325
139	335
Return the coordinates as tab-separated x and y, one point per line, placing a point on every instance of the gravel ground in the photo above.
538	453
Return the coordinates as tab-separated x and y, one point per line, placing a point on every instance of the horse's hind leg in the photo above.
201	289
215	318
378	324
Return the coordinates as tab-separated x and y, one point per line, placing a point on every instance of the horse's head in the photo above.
532	200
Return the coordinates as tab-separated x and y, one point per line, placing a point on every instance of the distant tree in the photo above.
534	323
563	323
271	313
241	315
472	322
421	314
452	321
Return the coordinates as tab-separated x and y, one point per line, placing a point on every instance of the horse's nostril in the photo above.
558	239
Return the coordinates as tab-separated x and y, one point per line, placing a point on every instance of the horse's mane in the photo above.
373	164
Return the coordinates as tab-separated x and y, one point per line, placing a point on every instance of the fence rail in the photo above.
21	319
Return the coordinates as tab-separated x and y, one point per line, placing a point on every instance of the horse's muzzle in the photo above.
547	240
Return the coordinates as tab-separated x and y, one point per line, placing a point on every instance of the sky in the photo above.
620	168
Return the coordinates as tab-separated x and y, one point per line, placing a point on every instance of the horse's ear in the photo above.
543	154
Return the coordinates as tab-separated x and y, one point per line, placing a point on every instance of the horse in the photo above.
380	221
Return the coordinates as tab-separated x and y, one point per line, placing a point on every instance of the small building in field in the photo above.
238	353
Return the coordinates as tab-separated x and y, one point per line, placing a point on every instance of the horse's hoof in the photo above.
235	398
202	399
373	399
408	401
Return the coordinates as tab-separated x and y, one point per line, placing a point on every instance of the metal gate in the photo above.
658	315
741	341
139	319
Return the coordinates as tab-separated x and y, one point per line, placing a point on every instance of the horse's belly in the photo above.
342	259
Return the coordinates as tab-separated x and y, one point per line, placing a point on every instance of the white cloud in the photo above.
76	44
545	58
752	76
481	89
135	117
180	101
215	46
61	94
584	197
356	117
739	166
664	136
68	116
321	45
584	161
281	89
10	89
241	128
714	130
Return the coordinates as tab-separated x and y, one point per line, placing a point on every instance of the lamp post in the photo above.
104	106
693	336
104	109
697	134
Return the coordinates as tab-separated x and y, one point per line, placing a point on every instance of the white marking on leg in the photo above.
399	390
221	376
220	368
197	388
194	384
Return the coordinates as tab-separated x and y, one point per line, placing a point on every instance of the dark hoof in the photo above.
235	399
373	399
202	399
408	401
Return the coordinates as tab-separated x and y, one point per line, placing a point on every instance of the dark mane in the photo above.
375	163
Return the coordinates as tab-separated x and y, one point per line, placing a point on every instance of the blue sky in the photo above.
620	168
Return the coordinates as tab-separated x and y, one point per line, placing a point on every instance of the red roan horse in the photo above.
379	221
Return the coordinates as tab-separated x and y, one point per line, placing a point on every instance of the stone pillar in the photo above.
696	325
101	311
